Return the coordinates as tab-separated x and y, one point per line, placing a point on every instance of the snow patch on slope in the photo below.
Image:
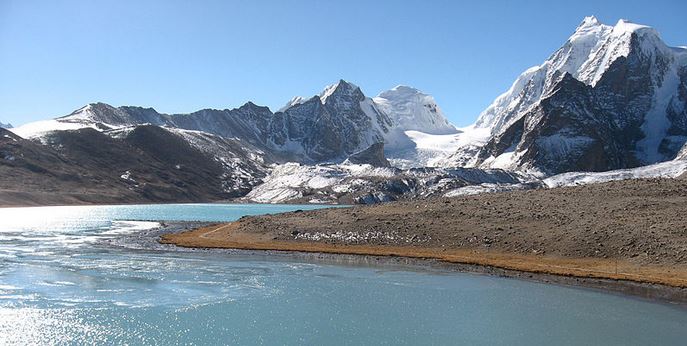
435	150
669	169
296	100
40	128
290	180
656	123
485	188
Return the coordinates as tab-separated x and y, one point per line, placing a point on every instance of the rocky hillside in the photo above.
145	164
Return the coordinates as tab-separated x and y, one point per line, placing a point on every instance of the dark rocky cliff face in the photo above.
374	155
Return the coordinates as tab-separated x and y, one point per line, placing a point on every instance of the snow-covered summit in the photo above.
5	126
412	110
586	55
611	97
536	81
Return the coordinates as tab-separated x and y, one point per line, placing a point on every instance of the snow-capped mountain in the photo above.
412	126
421	136
412	110
611	97
5	126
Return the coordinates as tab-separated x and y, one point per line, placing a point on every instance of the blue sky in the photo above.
180	56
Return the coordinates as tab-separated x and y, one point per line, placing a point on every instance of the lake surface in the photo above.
73	275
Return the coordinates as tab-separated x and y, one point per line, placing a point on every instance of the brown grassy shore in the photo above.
632	231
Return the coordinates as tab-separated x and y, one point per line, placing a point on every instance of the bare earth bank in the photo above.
628	236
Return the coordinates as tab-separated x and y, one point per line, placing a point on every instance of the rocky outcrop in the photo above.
374	156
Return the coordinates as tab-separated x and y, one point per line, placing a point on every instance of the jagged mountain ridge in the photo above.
610	98
327	127
324	128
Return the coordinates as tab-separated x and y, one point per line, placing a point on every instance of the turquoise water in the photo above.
79	275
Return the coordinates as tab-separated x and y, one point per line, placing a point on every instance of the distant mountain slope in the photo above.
147	163
5	126
612	97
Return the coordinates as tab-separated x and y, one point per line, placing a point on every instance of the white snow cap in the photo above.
296	100
412	110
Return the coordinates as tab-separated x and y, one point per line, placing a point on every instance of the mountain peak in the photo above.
589	21
88	110
412	110
296	100
589	31
340	87
251	105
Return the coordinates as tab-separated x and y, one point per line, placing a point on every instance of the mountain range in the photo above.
611	98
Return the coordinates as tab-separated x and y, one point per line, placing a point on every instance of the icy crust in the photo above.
669	169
